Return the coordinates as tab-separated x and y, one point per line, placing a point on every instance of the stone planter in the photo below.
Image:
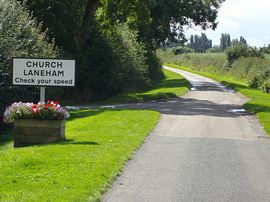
30	132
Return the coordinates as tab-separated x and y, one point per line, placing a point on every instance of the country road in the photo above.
204	148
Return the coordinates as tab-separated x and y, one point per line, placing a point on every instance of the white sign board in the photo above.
43	72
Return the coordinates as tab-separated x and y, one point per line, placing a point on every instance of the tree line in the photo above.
113	41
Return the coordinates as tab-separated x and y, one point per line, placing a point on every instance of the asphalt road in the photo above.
205	148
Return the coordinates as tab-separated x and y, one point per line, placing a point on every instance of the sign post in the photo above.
43	72
42	94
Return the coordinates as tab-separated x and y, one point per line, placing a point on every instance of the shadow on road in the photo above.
188	106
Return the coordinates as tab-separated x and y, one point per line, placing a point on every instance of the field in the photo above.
251	71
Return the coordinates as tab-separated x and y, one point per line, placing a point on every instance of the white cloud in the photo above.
248	18
228	24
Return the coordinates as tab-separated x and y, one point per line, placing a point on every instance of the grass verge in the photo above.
79	169
259	103
172	86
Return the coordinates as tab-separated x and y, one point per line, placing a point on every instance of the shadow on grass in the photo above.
172	83
6	137
252	107
83	114
73	142
146	95
235	86
256	108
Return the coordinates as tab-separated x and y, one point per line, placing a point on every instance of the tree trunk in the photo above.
87	22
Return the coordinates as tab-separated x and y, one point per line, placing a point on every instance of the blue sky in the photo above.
249	18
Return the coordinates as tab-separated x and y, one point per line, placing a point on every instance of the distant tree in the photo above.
200	43
243	40
225	41
266	49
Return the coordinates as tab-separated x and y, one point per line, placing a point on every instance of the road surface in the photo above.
205	148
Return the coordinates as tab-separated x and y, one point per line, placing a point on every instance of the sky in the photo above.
247	18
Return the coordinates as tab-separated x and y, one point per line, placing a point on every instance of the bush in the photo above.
129	58
246	67
261	81
182	49
20	37
239	50
254	71
113	62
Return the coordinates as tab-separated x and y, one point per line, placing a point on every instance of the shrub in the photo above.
20	37
246	67
239	50
182	49
129	58
261	80
236	51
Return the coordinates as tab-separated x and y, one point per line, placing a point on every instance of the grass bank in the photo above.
98	144
171	86
259	103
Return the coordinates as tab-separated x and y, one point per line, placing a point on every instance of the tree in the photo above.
240	49
243	40
200	43
21	36
225	41
157	20
83	30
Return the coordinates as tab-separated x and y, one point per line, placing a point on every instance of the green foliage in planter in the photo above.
43	111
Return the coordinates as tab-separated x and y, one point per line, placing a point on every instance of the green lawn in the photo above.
259	103
173	85
81	168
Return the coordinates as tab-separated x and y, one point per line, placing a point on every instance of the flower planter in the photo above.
30	132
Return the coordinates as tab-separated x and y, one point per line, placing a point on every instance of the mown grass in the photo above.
98	144
259	103
172	85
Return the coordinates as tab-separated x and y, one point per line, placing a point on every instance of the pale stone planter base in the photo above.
31	132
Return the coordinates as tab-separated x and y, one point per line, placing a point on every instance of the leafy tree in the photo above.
266	49
83	29
200	43
20	36
225	41
240	49
243	40
157	20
